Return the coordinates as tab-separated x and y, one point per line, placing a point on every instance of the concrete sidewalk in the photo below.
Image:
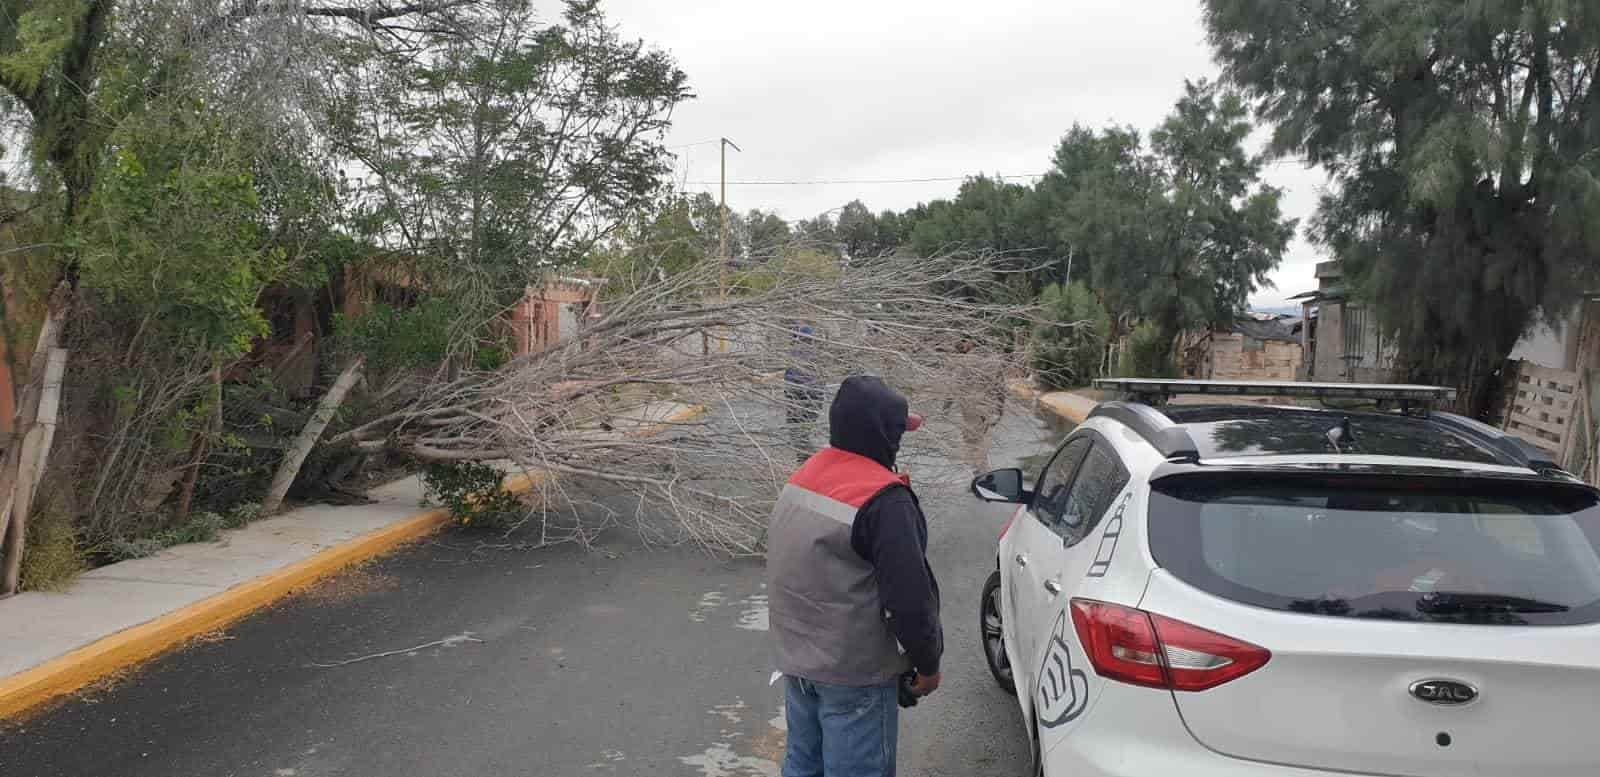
117	615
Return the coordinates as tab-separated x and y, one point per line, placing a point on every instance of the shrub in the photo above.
474	494
125	548
242	515
1067	349
802	262
53	556
1144	355
402	338
200	527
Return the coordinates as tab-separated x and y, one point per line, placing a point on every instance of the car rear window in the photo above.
1455	552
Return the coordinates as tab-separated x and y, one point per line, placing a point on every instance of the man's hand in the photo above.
926	684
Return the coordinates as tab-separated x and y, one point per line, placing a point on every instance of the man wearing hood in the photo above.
853	602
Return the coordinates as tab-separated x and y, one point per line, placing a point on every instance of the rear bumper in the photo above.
1136	732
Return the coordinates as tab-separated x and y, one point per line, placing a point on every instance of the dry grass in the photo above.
53	557
347	585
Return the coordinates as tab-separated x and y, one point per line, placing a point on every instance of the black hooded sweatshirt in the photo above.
868	419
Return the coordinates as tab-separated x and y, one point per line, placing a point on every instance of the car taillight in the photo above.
1136	647
1198	659
1120	642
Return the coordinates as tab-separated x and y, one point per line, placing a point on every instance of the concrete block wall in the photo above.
1274	360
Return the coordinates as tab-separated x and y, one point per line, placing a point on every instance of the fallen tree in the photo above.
598	411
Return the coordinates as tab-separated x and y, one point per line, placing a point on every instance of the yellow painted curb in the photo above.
78	668
1064	409
1050	400
130	646
1024	389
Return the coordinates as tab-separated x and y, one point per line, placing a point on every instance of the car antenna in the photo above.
1341	433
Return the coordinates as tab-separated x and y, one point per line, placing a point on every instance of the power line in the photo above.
840	181
931	179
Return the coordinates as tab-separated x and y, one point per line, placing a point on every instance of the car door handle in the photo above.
1021	560
1052	586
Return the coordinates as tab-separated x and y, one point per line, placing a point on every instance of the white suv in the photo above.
1249	591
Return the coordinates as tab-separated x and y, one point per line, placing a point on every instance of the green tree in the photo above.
1098	196
892	232
860	234
677	234
817	234
1461	138
176	209
1178	233
1219	230
1149	354
1069	344
89	81
763	236
987	215
507	150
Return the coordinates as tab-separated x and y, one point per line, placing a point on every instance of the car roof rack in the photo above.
1156	391
1174	442
1167	437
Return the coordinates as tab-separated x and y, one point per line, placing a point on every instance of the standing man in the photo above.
802	392
980	411
853	602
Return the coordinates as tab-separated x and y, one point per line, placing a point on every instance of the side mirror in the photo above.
1001	485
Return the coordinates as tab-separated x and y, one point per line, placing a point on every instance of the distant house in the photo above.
550	311
1340	340
553	311
1257	347
1550	399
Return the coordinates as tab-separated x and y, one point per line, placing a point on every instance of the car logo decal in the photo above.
1063	690
1108	541
1446	693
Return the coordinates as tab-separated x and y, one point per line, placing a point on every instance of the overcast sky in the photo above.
865	90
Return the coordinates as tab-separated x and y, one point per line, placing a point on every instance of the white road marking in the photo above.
754	615
709	601
719	760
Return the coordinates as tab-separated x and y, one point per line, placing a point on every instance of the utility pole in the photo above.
722	272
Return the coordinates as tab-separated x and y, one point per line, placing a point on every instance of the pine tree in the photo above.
1460	135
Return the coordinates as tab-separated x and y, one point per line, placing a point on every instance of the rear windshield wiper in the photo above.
1444	602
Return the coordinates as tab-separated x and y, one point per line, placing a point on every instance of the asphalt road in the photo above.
450	659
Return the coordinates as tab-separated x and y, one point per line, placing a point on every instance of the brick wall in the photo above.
548	314
1262	360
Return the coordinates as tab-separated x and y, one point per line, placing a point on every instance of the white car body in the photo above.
1336	696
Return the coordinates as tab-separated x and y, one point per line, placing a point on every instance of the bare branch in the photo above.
599	408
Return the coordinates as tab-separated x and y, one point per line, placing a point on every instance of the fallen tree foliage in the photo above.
607	411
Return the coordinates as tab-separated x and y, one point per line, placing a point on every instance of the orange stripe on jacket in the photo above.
845	477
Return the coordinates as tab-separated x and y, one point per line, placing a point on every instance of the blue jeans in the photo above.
837	731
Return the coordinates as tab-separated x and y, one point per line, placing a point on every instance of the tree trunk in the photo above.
34	454
296	457
1168	330
27	413
202	446
1477	390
